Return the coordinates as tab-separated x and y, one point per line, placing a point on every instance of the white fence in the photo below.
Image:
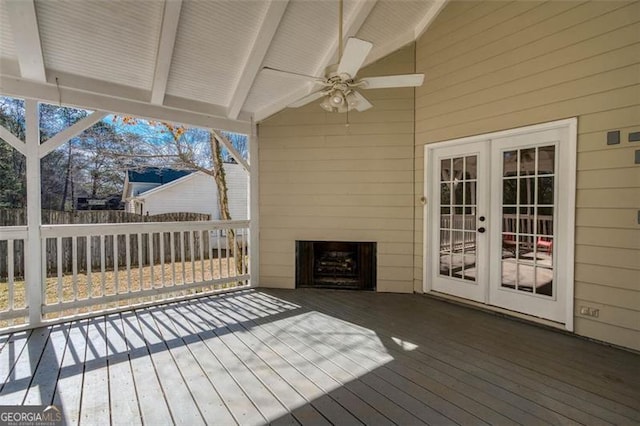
117	266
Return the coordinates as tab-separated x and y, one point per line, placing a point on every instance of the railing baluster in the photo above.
201	236
116	275
235	253
10	273
192	252
151	263
127	253
210	252
244	251
103	275
172	242
161	238
226	239
184	269
89	259
140	255
218	237
59	267
74	266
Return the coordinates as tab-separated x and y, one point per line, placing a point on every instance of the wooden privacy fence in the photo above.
18	217
60	252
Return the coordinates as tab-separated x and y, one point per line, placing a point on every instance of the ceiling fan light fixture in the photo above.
326	104
337	98
352	100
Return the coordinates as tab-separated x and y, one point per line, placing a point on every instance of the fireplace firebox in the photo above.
336	264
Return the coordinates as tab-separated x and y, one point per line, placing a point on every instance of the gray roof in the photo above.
156	175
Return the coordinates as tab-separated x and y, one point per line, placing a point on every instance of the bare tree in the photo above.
194	149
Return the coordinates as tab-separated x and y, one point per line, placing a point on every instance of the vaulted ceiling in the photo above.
198	61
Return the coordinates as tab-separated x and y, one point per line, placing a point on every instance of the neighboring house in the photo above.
163	190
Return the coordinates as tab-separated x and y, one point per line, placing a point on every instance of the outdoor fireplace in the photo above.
336	264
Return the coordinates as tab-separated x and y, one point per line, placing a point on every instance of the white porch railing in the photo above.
13	305
130	264
94	268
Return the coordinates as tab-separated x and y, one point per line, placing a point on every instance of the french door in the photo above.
499	219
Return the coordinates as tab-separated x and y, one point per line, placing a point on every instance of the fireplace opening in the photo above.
336	264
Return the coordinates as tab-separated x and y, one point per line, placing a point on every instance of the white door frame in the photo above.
571	124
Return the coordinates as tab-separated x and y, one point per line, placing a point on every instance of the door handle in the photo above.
481	230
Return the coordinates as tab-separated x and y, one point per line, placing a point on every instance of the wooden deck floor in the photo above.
317	357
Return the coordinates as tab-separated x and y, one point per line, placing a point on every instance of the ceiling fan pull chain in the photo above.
340	11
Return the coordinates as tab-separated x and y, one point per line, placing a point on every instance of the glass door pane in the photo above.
458	206
528	198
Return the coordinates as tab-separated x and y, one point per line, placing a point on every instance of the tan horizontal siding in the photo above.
593	141
617	257
611	315
609	237
623	298
509	64
606	218
608	276
627	318
596	329
611	177
382	212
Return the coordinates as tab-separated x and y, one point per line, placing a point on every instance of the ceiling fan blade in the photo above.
388	81
363	103
288	74
305	100
353	57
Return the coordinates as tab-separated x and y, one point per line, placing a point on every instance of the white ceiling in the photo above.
201	58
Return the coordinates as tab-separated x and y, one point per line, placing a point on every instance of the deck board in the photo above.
68	392
199	384
123	401
43	385
22	371
150	395
317	357
184	409
95	387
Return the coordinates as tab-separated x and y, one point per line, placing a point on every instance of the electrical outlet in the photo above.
590	312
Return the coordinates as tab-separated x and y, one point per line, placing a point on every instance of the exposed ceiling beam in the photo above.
26	36
168	32
409	35
430	16
351	28
264	36
70	132
18	87
13	140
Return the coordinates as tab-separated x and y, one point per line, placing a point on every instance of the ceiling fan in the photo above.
339	86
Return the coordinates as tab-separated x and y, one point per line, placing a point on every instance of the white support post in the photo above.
254	208
33	261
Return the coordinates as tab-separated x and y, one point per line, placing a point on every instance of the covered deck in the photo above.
261	356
